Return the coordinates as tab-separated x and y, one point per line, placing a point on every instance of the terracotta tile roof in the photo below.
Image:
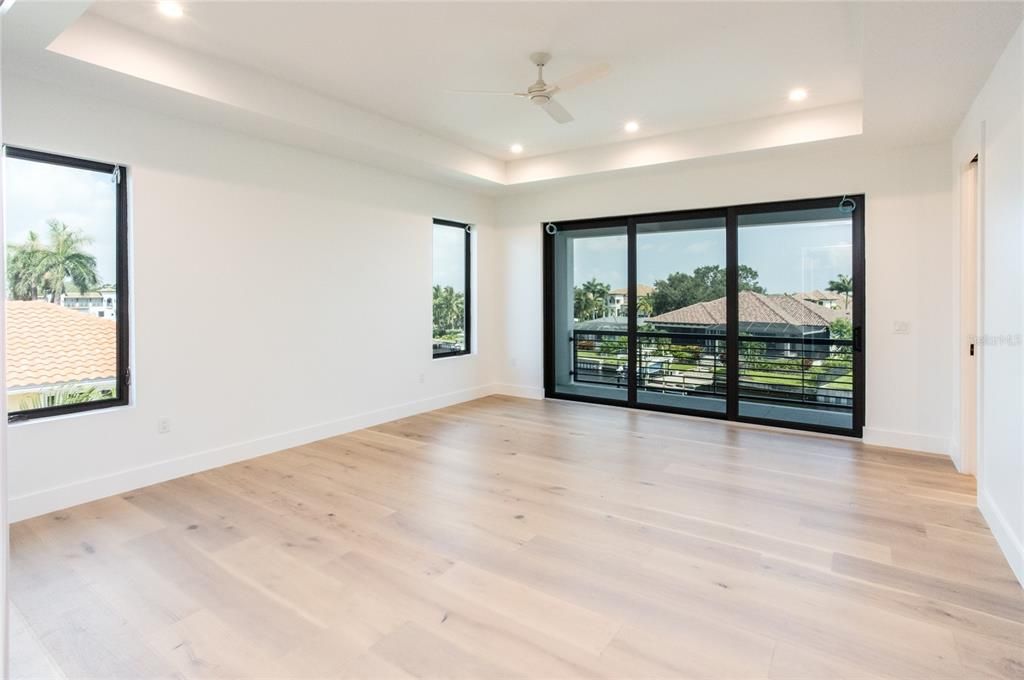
642	290
48	344
814	295
837	300
754	308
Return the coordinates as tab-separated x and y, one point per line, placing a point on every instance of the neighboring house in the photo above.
826	299
618	299
101	303
50	348
782	316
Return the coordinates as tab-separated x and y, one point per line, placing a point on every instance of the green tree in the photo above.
843	285
62	396
590	300
449	312
25	281
841	329
706	283
66	258
644	306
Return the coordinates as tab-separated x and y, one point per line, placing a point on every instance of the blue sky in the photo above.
449	257
86	200
788	258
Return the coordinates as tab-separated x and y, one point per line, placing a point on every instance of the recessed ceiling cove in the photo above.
673	66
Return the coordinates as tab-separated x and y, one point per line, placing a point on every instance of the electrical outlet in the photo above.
901	327
163	425
423	378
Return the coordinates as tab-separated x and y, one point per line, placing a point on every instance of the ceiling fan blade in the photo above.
557	111
489	92
581	77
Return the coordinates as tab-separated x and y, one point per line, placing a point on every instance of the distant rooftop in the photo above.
51	345
818	295
642	290
754	308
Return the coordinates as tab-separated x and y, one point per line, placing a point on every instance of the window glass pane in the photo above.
590	312
450	294
61	285
796	325
681	308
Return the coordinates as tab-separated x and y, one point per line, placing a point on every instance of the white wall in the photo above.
909	239
994	129
279	296
4	534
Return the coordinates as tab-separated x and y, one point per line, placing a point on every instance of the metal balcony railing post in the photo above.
575	372
803	375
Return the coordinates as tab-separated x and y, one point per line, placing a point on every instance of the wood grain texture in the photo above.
528	539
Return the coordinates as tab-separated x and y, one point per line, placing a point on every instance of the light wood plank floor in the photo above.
542	539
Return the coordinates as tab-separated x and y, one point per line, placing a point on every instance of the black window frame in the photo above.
468	299
119	174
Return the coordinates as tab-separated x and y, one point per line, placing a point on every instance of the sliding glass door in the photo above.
590	343
796	331
750	313
681	314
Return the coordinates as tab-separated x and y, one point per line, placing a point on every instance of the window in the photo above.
452	304
66	249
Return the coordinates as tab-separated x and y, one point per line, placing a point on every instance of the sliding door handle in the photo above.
858	339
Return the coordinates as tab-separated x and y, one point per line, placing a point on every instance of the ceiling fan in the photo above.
542	93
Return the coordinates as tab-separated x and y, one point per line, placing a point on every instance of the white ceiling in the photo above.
674	66
368	81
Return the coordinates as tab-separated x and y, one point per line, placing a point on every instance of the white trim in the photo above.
968	379
524	391
4	509
1009	543
911	441
56	498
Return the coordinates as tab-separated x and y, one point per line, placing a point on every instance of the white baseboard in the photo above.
1009	543
57	498
524	391
906	440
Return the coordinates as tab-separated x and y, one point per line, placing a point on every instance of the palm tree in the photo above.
843	285
23	277
66	259
591	299
449	311
644	306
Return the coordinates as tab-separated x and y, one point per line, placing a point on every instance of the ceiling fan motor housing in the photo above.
539	90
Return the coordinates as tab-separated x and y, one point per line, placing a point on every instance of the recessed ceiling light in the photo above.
516	148
797	95
171	9
632	126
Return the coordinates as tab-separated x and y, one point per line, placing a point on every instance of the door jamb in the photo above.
970	234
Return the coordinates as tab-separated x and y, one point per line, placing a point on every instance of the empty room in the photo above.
485	340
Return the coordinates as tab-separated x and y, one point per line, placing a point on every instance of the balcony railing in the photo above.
796	371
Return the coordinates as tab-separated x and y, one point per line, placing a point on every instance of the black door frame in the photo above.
731	215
